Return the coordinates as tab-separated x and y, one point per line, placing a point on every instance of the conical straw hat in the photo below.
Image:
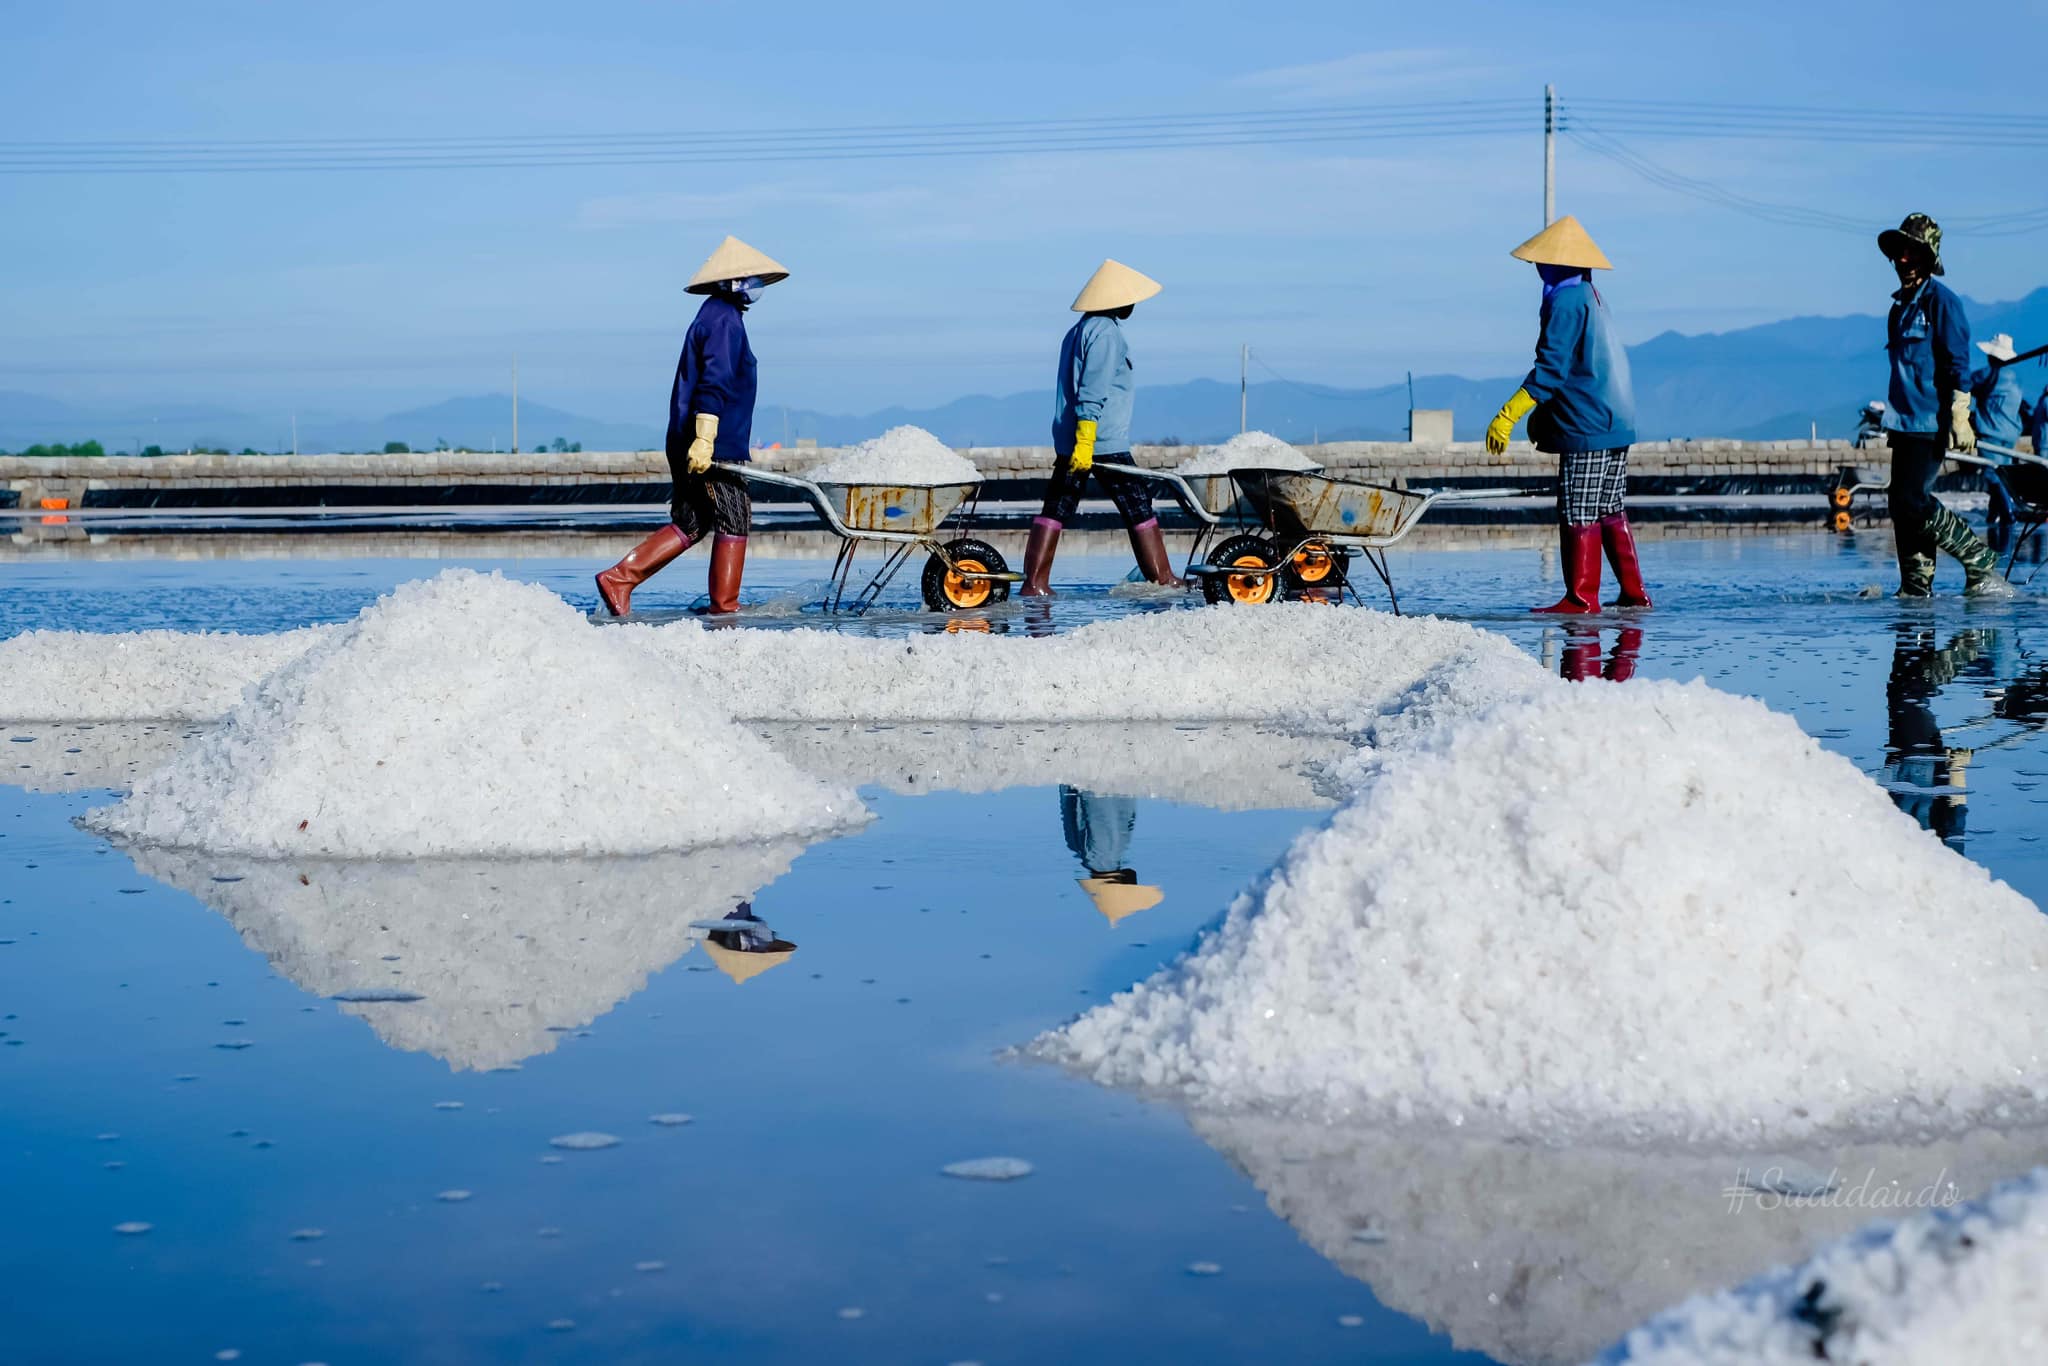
1563	243
740	965
1114	285
1119	899
735	260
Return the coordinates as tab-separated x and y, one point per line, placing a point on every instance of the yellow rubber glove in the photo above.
699	454
1083	458
1961	435
1502	429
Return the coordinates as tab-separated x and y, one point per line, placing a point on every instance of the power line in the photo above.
1147	133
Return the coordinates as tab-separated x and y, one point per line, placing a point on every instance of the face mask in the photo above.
748	289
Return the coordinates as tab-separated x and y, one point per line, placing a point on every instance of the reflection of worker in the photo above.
1926	775
1091	429
749	948
1581	658
1098	830
1928	337
1581	408
710	424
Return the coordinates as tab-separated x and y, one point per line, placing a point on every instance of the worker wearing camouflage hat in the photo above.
1928	338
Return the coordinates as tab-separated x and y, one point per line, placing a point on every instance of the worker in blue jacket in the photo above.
710	427
1091	429
1928	337
1582	409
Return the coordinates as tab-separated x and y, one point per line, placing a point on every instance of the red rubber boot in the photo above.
728	562
1621	553
615	585
1038	553
1578	549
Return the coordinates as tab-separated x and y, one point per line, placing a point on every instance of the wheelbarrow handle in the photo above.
1183	492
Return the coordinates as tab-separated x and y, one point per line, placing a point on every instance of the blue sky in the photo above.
920	280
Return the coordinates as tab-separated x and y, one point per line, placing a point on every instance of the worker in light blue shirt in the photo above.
1091	430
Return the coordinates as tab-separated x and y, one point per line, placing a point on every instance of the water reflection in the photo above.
1098	830
1540	1255
497	958
1228	767
749	948
1580	658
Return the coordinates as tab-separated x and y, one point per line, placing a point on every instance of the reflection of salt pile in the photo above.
1303	664
1534	1254
472	715
1942	1288
1246	451
501	953
1232	766
1652	909
105	754
135	675
903	456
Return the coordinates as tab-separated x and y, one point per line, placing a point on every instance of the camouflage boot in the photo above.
1916	574
1979	561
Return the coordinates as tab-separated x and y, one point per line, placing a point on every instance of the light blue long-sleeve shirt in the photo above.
1095	381
1999	402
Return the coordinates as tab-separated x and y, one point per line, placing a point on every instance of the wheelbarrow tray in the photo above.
1297	505
910	509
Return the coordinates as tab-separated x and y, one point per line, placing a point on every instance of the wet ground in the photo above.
376	1179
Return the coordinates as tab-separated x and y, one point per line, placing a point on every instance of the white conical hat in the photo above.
735	260
1564	243
1114	285
740	964
1117	899
1999	347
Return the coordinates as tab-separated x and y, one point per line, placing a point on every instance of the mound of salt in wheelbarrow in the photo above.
1246	451
902	457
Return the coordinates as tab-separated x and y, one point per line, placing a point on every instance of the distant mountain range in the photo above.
1778	380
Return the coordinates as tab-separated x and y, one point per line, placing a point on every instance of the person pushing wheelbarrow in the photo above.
1091	429
710	426
1582	409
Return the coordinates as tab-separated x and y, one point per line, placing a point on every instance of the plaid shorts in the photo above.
1590	484
716	500
1133	497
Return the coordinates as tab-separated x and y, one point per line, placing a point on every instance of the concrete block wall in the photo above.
1383	461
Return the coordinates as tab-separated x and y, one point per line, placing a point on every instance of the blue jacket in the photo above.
2000	405
1584	400
1928	337
1095	381
715	375
2037	423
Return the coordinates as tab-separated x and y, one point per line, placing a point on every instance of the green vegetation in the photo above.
59	450
397	448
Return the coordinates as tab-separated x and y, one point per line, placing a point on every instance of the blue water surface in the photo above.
801	1213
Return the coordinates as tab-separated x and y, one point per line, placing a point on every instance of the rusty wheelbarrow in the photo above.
959	575
1312	525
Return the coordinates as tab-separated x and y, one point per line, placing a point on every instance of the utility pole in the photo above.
1244	368
295	433
1549	155
515	403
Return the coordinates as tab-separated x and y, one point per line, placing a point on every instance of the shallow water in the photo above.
171	1054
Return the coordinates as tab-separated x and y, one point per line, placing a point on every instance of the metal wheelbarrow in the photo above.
1313	524
1208	498
959	575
